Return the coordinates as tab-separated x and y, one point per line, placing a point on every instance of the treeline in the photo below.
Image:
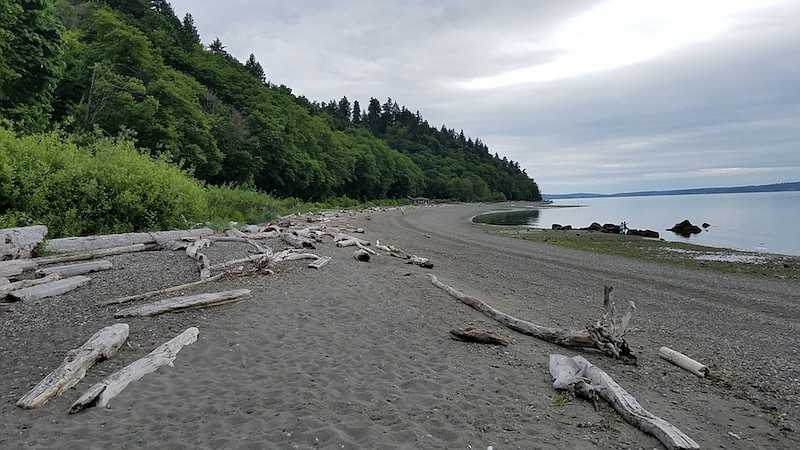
133	69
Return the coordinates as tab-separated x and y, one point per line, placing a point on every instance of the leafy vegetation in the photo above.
128	85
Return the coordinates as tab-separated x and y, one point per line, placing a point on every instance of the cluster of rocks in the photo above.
608	228
686	228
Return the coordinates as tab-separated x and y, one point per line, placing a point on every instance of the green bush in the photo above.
240	204
103	185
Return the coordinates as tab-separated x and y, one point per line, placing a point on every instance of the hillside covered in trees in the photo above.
132	70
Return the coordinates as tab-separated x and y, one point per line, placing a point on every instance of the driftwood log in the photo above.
20	242
361	255
581	377
193	251
174	304
473	334
90	243
603	335
82	256
102	345
101	393
76	269
422	262
297	241
320	262
15	267
151	294
10	287
50	289
683	361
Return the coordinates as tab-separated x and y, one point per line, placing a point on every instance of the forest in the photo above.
131	75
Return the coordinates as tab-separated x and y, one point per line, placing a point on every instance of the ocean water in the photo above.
761	221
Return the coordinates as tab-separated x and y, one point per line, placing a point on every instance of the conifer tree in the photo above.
255	68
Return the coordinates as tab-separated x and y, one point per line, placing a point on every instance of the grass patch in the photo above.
661	251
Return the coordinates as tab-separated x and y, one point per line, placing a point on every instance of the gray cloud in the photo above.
718	112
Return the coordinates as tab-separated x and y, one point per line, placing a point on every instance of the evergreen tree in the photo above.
343	109
217	47
356	113
31	61
254	67
189	30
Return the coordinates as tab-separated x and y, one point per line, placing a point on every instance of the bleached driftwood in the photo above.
50	289
585	379
261	258
76	269
19	242
10	287
245	239
173	304
361	255
294	257
4	281
151	294
419	261
346	237
297	241
193	251
320	262
607	338
101	393
89	243
683	361
15	267
102	345
101	253
473	334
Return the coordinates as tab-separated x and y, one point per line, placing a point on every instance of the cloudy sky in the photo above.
588	96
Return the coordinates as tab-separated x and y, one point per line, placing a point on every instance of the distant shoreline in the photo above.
775	187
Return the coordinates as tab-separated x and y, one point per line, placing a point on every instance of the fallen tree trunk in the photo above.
76	269
581	377
683	361
101	253
593	336
20	242
102	345
181	303
472	334
15	267
151	294
91	243
101	393
50	289
10	287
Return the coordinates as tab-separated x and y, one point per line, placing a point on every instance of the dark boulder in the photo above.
644	233
559	227
610	228
706	225
685	229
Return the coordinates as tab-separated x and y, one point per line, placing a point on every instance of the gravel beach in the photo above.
358	355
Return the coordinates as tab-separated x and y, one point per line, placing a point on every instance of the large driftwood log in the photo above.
90	243
683	361
10	287
102	345
101	253
15	267
595	336
50	289
297	241
151	294
261	258
16	243
581	377
193	250
181	303
101	393
76	269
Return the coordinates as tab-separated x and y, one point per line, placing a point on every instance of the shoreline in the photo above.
358	354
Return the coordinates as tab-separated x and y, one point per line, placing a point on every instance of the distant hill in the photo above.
777	187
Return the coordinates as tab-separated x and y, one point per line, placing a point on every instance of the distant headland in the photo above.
776	187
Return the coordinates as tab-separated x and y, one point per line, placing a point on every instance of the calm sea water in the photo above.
763	221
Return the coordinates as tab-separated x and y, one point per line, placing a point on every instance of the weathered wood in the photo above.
261	258
101	393
361	255
151	294
181	303
294	257
20	242
4	281
193	251
90	243
419	261
76	269
320	262
612	346
102	345
346	237
683	361
245	240
578	375
473	334
101	253
10	287
15	267
50	289
297	241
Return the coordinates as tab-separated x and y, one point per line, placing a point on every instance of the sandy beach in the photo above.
358	355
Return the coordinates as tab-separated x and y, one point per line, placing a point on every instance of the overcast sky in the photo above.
588	96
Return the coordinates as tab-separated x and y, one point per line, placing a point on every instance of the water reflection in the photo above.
521	217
